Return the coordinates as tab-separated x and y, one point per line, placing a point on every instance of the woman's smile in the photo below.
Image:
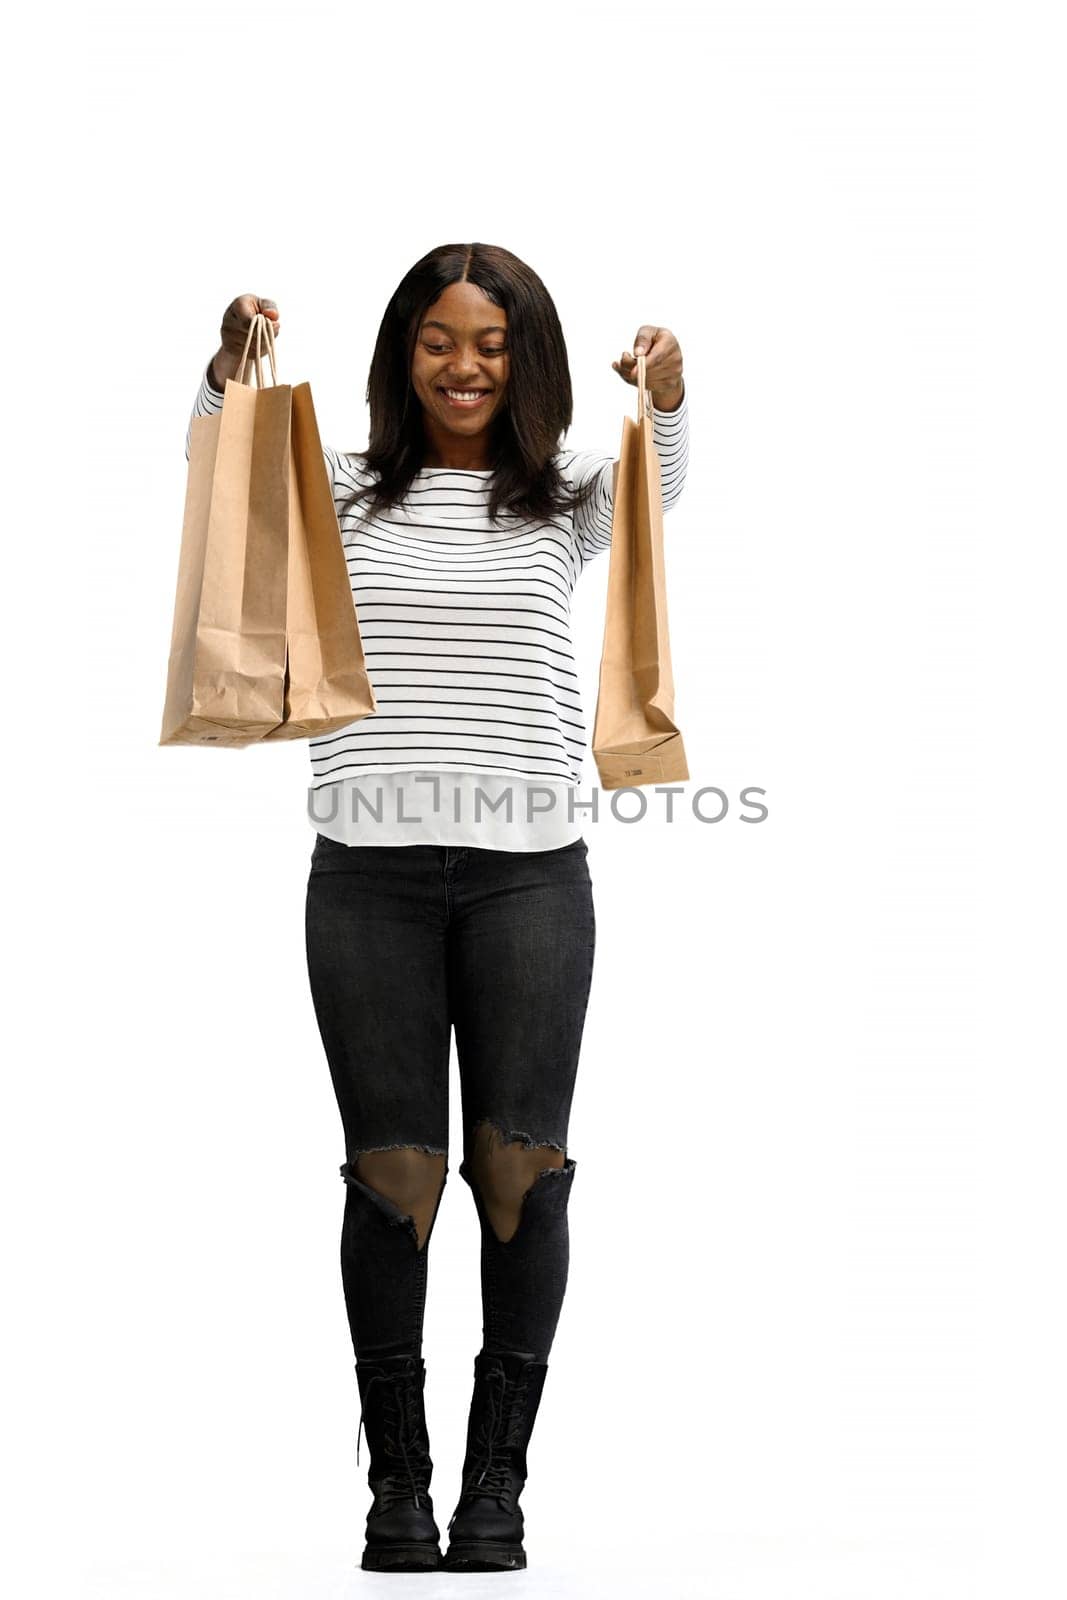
464	399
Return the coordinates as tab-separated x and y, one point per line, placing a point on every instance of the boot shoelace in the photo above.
400	1395
491	1472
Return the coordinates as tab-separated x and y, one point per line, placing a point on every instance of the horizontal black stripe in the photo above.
408	637
369	768
454	718
492	672
363	747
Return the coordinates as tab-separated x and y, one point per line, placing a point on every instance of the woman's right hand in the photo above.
237	319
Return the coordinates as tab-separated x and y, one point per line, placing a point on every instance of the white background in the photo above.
811	1343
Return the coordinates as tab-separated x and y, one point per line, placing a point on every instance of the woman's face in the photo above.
461	346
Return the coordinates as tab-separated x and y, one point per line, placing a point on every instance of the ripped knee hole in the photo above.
505	1166
410	1178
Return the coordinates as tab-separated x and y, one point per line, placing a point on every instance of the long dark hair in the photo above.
537	408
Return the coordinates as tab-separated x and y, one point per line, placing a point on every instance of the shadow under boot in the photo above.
402	1535
486	1528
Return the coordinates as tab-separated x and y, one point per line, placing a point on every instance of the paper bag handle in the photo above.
644	395
259	325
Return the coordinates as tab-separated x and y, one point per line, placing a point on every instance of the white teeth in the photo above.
463	394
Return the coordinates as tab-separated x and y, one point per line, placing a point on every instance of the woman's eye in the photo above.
440	349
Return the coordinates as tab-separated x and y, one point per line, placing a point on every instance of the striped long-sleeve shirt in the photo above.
466	630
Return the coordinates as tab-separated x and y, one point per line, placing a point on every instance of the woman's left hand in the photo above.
663	365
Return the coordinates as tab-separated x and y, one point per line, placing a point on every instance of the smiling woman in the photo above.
464	603
465	526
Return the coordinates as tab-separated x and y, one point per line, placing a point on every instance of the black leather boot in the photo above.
487	1525
402	1535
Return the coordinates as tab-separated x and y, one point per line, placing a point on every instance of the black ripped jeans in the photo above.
405	943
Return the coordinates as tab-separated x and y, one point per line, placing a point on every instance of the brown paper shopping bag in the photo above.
635	740
226	673
327	685
265	641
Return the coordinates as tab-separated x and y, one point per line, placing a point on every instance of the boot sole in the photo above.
401	1558
484	1555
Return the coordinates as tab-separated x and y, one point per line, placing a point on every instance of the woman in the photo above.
465	528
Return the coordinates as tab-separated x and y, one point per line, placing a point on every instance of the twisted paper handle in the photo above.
644	395
259	326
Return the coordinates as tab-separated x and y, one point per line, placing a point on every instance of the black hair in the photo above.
538	405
